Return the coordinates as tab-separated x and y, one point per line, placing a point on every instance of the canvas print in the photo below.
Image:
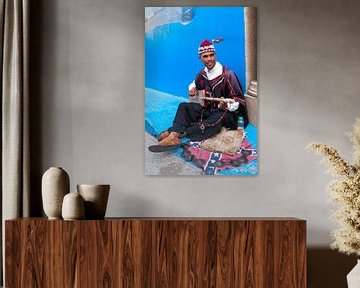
201	91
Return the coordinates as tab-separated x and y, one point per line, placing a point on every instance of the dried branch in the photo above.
333	159
345	192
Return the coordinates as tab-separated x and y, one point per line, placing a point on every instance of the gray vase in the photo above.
73	207
55	185
96	198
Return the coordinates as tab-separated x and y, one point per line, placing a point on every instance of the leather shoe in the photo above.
170	141
163	135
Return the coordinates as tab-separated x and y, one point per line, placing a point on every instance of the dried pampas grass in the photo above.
345	192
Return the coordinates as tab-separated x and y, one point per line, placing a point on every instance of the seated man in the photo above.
198	122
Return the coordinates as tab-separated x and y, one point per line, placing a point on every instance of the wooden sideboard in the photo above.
156	252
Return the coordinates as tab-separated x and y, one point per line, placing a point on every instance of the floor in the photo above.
165	163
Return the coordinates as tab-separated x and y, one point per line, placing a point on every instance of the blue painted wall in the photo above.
171	59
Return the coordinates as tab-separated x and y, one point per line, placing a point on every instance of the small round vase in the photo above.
73	207
96	198
55	185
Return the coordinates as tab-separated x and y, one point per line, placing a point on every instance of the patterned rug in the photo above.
213	163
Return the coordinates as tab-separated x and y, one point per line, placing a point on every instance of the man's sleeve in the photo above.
199	82
192	85
234	88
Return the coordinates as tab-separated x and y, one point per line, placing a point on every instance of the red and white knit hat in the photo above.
206	46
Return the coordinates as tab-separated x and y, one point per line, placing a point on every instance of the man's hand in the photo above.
192	92
223	105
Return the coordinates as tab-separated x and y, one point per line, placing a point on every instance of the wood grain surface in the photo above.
157	253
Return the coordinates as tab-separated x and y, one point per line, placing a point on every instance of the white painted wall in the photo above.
91	95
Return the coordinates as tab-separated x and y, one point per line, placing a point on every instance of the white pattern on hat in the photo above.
206	46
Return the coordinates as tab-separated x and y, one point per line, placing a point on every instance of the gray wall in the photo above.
87	81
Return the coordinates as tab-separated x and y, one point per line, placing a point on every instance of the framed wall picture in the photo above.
201	91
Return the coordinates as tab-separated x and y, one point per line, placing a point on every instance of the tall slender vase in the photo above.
55	185
353	278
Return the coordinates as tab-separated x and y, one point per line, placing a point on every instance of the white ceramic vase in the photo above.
55	185
353	278
96	198
73	207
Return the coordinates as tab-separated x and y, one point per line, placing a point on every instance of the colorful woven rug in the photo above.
213	162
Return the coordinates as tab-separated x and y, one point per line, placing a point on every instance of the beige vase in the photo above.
96	198
73	207
55	185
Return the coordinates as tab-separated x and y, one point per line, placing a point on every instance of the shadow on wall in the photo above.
328	268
